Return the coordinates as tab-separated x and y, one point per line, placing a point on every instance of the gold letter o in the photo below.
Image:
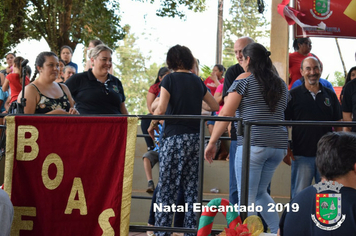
52	183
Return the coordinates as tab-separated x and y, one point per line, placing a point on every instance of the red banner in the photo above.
70	175
326	18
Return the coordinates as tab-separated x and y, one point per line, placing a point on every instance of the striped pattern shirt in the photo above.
254	108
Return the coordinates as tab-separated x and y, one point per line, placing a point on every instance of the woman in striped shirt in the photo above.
260	94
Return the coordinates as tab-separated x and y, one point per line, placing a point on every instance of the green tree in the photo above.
136	78
176	8
245	21
206	71
339	79
11	20
69	22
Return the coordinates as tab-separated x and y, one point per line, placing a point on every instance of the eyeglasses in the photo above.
106	87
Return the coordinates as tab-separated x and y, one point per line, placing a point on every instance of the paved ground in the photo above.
137	234
144	234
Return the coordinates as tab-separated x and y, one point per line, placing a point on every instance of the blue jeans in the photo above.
303	171
263	163
233	195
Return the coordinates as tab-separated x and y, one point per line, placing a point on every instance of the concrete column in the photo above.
279	42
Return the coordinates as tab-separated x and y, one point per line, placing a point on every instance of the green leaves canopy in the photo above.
69	22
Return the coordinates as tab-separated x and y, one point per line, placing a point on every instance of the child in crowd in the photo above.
66	55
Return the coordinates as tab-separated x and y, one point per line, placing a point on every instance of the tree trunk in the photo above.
342	60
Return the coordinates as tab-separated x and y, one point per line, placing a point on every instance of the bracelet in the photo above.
154	125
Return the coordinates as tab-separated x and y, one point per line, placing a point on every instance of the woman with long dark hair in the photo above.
14	80
255	96
182	93
350	76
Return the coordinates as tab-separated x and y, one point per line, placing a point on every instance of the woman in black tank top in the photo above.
43	95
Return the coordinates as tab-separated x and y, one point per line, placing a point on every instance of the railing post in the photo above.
201	165
245	168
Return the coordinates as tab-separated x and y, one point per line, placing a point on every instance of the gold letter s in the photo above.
104	222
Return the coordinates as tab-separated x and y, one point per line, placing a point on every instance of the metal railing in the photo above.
139	228
247	144
246	127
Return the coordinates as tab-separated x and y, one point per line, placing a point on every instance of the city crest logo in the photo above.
321	9
328	208
328	215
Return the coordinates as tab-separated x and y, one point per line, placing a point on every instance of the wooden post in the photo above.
279	42
219	32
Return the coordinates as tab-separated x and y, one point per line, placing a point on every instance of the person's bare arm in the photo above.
218	97
347	116
231	104
123	109
2	79
5	85
149	100
210	104
154	105
32	98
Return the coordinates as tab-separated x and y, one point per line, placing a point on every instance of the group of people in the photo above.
251	90
57	88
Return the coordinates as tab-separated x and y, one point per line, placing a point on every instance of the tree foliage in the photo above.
135	77
339	79
12	16
69	22
206	71
176	8
244	21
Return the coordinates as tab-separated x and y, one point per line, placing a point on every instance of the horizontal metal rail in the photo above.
247	147
242	125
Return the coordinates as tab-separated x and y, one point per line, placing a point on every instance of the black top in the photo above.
302	106
231	74
47	104
186	94
93	97
298	220
349	100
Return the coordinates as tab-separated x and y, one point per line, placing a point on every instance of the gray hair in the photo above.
69	66
94	53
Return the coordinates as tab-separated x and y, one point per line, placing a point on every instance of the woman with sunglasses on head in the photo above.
96	91
302	48
44	95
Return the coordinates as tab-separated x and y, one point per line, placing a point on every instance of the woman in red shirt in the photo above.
154	89
216	78
14	80
302	48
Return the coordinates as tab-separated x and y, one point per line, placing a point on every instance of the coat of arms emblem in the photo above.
328	215
321	9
